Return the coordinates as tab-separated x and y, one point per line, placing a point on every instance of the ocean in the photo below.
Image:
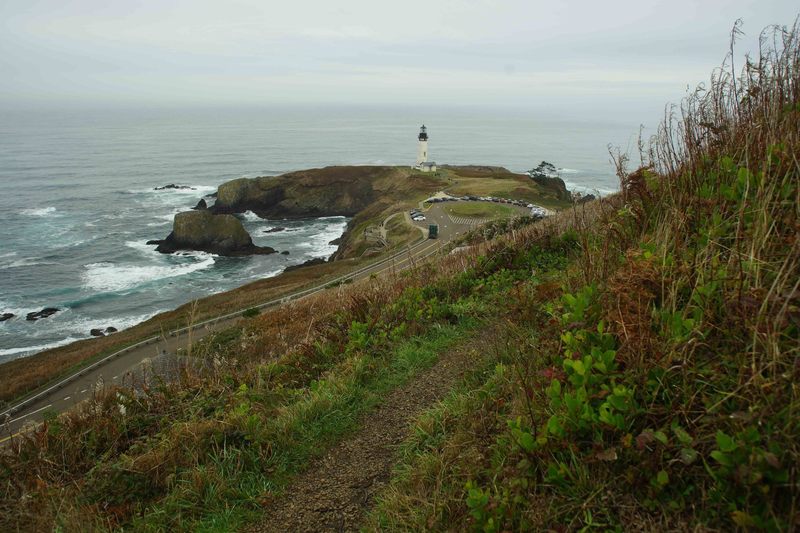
80	198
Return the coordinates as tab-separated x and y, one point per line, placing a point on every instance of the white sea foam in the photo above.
73	325
168	218
194	190
139	246
568	170
5	307
40	212
7	259
252	217
12	260
21	263
320	241
584	189
126	322
107	276
29	350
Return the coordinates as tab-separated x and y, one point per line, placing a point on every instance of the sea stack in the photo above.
203	231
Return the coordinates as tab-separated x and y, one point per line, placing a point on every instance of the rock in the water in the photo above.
336	242
285	252
173	186
274	230
97	332
155	241
44	313
579	198
206	232
111	329
310	262
201	205
6	316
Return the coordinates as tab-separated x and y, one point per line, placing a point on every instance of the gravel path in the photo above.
337	490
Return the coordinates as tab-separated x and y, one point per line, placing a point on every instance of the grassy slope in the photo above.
652	386
502	183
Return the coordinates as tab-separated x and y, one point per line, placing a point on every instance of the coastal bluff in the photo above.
203	231
329	191
369	194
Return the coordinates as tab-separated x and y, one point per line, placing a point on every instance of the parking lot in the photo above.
450	225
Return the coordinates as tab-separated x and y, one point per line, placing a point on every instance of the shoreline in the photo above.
383	191
82	352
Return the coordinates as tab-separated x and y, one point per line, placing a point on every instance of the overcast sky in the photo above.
556	55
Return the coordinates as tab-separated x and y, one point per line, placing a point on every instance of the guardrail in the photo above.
174	333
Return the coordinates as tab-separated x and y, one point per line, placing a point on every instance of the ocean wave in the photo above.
12	260
568	170
22	263
106	276
585	189
140	246
251	217
194	253
30	350
320	241
6	307
193	190
40	212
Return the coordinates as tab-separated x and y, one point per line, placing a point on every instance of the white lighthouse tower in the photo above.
422	152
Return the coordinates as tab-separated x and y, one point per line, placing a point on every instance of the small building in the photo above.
422	152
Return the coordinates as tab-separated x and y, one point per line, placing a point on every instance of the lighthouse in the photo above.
422	152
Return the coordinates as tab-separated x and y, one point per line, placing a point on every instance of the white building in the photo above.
422	152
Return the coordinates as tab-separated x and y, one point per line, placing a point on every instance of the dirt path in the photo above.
338	489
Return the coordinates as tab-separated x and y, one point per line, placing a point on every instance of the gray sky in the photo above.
611	56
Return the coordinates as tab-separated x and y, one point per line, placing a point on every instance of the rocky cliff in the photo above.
330	191
207	232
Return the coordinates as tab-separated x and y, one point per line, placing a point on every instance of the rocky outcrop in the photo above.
579	198
545	175
329	191
6	316
554	185
100	332
207	232
310	262
44	313
201	205
173	186
274	230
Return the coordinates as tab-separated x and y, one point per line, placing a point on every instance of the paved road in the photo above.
113	369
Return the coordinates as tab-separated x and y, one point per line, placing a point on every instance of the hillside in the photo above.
628	364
